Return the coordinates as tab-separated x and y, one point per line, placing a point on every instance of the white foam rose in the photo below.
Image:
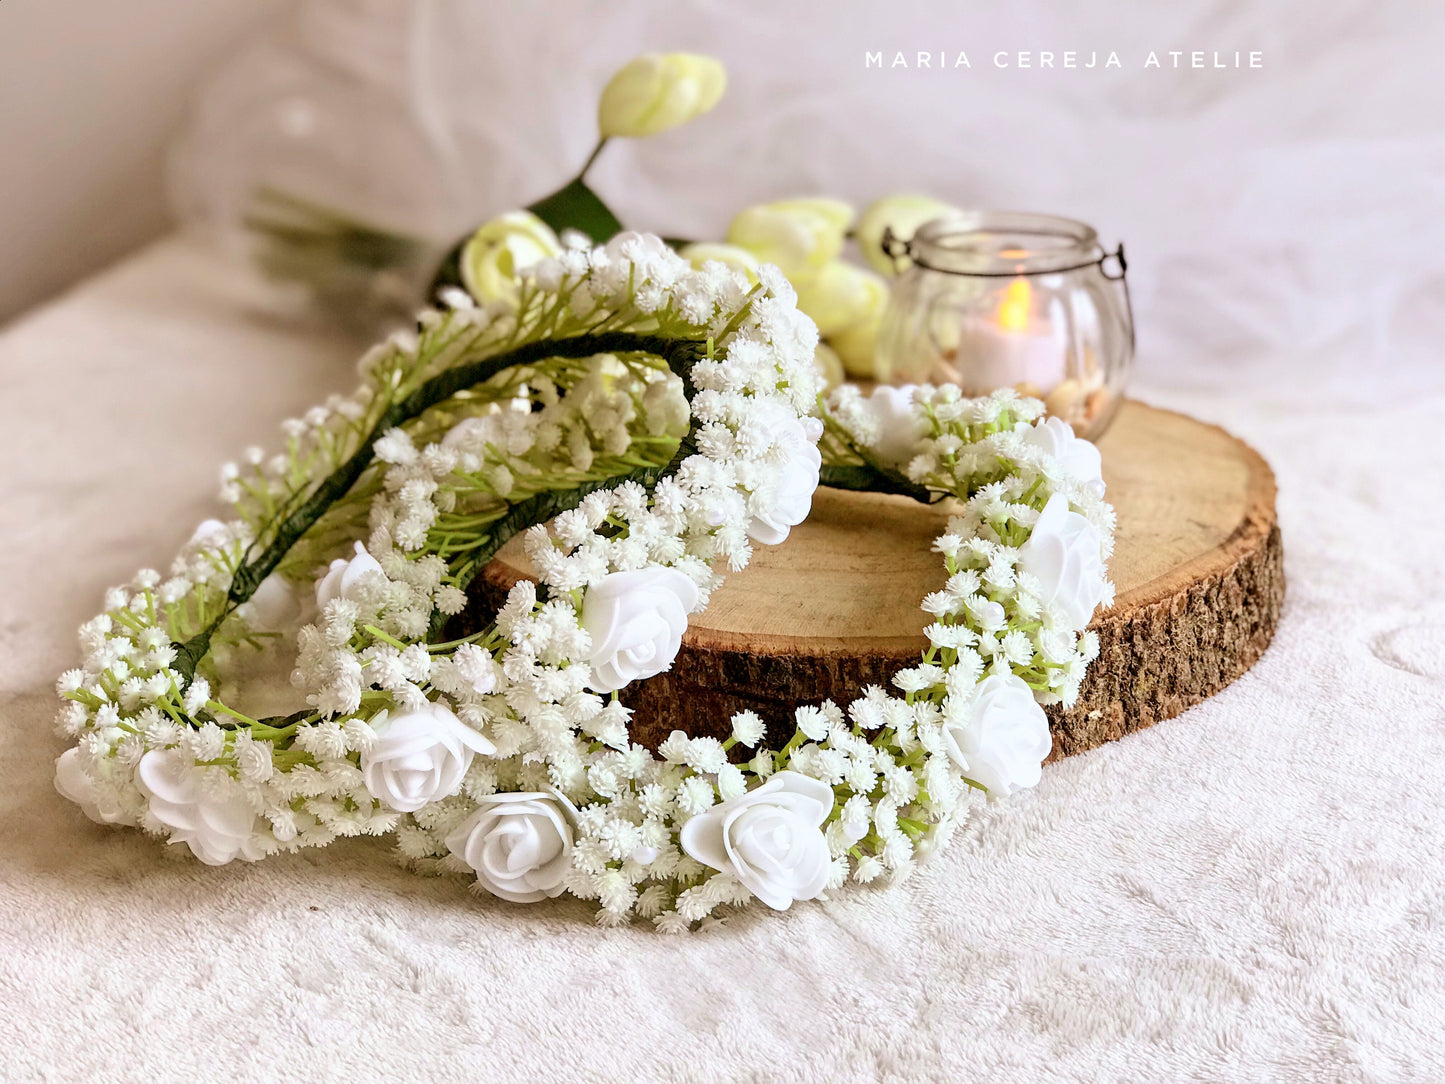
1000	737
273	606
520	845
636	620
419	757
218	825
771	838
787	498
898	426
1065	553
97	804
1078	457
340	579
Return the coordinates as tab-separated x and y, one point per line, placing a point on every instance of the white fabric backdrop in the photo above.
1252	891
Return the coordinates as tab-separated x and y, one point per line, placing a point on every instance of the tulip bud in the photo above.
829	364
799	235
500	249
842	295
903	214
854	347
739	259
654	92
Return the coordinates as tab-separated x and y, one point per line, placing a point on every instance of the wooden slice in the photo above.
1197	566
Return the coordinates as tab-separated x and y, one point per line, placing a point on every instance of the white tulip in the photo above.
842	295
520	845
500	250
1065	553
636	620
654	92
419	757
1000	737
800	236
903	214
770	839
734	256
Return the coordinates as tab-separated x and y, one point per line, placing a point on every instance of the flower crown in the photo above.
645	424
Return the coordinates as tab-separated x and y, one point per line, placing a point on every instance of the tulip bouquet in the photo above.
330	253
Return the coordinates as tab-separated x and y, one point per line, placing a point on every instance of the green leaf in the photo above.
577	207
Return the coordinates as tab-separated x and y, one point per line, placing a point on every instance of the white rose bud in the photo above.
1065	553
1002	737
654	92
800	236
340	579
520	845
419	757
502	248
218	827
636	620
770	839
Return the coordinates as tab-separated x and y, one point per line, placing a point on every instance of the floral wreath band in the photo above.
645	424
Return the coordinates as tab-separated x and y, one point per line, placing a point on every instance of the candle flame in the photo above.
1013	310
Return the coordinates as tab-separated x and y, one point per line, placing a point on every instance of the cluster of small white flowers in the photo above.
506	753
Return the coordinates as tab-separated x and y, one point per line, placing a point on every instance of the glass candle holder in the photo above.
996	299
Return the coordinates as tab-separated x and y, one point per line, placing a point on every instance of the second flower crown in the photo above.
646	424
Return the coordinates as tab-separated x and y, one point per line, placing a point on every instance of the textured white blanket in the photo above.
1252	891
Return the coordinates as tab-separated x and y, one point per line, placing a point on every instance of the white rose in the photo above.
795	461
770	838
419	757
1079	458
340	579
72	782
899	426
519	844
273	606
1065	554
216	827
1005	739
208	534
636	621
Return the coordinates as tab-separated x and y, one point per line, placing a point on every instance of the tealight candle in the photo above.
1014	347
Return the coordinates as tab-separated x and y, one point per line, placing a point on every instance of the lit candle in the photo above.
1014	348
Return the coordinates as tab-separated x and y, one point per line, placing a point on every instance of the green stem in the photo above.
438	389
582	173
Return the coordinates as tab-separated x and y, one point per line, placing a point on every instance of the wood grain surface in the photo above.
1197	566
